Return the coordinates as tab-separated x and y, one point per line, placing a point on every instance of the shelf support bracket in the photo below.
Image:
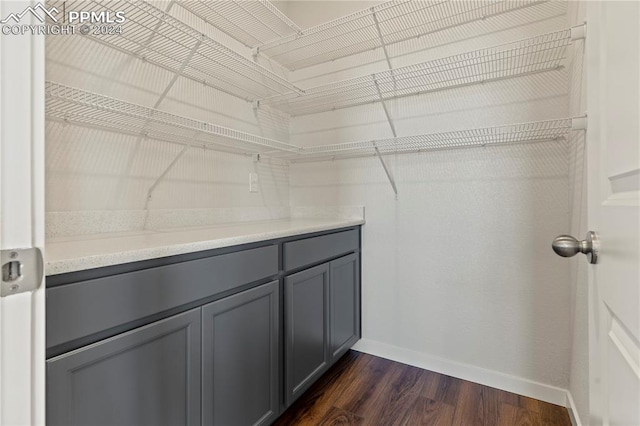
384	107
163	175
384	47
382	43
386	170
155	30
579	123
579	32
178	73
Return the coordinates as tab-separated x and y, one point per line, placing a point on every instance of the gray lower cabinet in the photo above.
345	304
148	376
322	320
219	364
240	358
307	329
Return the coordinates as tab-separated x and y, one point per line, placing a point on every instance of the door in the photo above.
147	376
344	291
22	342
306	320
613	155
240	358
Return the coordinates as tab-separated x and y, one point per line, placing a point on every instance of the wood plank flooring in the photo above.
361	389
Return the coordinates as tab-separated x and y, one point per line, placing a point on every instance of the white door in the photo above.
22	332
613	155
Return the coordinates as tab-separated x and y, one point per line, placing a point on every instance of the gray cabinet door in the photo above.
148	376
240	353
345	304
306	328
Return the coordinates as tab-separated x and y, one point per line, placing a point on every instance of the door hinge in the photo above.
22	270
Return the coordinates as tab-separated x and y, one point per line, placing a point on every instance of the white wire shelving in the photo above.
538	131
536	54
80	107
382	25
156	37
252	23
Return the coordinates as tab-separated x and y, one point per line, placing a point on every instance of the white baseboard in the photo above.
573	412
468	372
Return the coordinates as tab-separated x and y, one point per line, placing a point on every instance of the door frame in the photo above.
22	170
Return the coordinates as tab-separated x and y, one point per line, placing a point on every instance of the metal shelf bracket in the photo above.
579	123
382	42
163	175
178	73
386	171
579	32
384	107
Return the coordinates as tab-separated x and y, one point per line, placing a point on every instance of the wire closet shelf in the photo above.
162	40
76	106
250	22
80	107
536	54
382	25
538	131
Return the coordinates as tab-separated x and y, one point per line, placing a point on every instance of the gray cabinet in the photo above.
322	320
217	357
148	376
344	305
306	329
240	358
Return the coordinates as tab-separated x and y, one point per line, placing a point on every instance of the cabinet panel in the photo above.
81	309
148	376
240	338
307	329
345	304
316	249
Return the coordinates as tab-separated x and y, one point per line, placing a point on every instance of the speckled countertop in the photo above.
69	254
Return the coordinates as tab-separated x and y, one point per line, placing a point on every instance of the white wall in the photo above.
459	267
90	169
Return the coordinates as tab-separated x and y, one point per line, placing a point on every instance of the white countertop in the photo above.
71	254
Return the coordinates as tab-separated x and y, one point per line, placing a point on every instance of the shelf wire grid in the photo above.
532	55
76	106
156	37
538	131
399	20
69	104
252	23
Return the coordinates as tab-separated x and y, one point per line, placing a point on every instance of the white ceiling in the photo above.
308	13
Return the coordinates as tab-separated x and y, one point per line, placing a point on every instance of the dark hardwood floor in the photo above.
361	389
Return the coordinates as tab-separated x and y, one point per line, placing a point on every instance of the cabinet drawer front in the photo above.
81	309
312	250
148	376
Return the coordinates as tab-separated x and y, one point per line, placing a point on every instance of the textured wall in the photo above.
460	265
89	169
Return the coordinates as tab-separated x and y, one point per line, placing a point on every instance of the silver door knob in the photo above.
567	246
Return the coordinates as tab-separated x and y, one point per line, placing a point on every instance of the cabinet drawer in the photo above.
312	250
81	309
